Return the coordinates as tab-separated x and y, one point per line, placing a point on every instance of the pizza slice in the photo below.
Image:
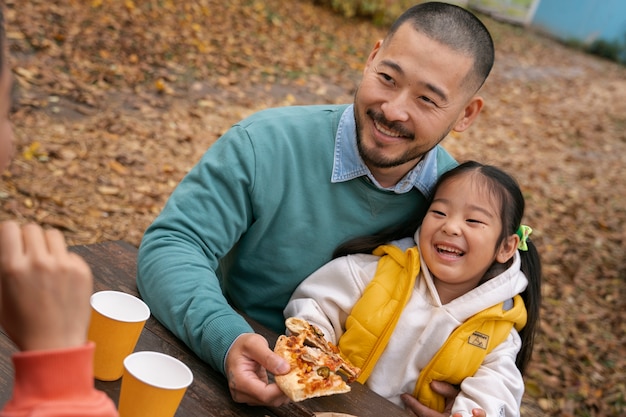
316	365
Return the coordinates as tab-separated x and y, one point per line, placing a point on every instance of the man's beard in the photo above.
375	159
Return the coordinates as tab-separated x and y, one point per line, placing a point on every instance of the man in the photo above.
272	198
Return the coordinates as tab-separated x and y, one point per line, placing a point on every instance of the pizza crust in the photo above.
332	414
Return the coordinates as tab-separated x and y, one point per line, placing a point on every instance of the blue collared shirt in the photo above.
348	165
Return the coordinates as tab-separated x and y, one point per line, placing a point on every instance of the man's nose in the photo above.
396	107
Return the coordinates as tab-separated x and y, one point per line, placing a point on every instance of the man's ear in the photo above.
469	114
507	248
373	53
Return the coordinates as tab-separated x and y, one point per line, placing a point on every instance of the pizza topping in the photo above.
315	337
314	363
324	372
311	355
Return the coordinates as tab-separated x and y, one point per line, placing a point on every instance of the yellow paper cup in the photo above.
153	385
116	322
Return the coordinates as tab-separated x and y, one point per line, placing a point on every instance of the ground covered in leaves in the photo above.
115	101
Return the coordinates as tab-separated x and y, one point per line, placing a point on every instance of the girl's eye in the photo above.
438	213
474	221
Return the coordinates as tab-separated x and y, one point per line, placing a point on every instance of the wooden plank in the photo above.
7	348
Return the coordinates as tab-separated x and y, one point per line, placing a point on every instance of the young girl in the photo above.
463	309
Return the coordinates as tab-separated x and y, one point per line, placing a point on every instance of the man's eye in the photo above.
427	100
386	77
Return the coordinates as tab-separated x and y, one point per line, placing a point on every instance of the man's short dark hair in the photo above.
456	28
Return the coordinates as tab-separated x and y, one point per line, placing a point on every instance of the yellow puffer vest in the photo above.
375	315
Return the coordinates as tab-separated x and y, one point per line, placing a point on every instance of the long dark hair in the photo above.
506	189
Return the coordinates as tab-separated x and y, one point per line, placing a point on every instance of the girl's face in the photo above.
459	234
6	130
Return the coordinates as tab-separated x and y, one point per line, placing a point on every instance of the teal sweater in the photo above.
251	220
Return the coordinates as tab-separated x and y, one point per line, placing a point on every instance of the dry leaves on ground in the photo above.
115	101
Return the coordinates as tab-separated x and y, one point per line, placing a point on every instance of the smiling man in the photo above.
269	201
413	92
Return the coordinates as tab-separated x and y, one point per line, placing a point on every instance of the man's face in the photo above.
411	95
6	130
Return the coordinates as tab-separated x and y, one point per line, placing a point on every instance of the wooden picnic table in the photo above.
114	268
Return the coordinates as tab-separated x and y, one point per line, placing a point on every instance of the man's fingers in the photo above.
255	392
247	365
411	404
260	352
445	389
276	364
479	412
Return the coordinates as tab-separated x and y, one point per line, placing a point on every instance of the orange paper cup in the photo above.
117	319
153	385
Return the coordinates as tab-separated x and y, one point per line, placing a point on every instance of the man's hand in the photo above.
44	289
247	364
448	391
476	412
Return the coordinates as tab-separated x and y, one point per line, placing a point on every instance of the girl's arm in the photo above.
498	386
327	296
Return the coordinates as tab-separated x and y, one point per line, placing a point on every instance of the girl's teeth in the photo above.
448	249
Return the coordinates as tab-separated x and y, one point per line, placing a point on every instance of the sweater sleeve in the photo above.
183	248
327	296
57	383
497	387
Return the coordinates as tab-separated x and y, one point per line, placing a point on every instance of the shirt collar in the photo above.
348	165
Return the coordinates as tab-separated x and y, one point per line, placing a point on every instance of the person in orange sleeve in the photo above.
44	307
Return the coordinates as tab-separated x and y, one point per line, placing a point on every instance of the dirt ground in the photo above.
115	101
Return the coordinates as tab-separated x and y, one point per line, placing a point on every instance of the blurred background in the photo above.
115	100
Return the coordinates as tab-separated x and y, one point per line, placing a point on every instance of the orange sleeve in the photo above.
57	383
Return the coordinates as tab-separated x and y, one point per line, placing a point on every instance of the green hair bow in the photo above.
523	232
